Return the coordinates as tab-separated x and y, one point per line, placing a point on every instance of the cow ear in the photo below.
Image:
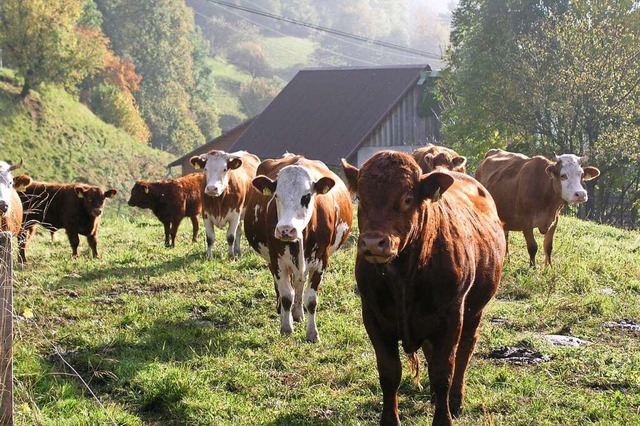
21	182
234	163
553	169
110	193
79	191
459	161
197	162
323	185
434	184
428	160
591	173
351	173
265	185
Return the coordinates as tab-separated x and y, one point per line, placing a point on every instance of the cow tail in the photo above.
414	367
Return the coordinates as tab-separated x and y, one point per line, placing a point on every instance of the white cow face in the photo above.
6	185
570	174
294	192
216	166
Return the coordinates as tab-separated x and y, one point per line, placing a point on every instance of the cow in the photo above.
530	192
298	215
74	207
430	255
227	181
10	205
171	200
431	156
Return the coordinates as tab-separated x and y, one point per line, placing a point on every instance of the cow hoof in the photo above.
313	339
455	405
285	331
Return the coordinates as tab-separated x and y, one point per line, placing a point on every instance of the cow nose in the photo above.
212	191
580	196
376	246
286	232
97	212
3	207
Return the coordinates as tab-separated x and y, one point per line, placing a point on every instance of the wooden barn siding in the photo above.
404	127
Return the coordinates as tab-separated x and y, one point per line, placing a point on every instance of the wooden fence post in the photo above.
6	330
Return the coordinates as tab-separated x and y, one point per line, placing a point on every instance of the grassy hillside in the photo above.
61	140
162	336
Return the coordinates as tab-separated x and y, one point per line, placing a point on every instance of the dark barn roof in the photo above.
327	113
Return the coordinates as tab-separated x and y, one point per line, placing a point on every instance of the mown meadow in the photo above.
153	336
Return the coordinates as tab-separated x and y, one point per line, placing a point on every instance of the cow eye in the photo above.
563	177
305	200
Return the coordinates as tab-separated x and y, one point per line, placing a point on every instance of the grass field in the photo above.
164	337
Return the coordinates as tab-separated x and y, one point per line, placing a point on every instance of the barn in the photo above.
333	113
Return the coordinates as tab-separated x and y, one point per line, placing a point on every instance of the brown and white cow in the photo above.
227	181
10	205
171	200
299	215
74	207
530	192
431	156
430	256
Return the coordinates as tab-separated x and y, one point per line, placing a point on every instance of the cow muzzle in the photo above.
579	197
377	247
286	233
213	191
96	212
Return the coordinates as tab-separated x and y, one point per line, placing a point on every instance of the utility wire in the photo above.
328	30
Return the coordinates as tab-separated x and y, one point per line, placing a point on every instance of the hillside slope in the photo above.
61	140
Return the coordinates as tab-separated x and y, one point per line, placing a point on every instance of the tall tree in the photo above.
550	76
43	42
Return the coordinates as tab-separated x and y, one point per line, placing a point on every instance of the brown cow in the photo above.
431	156
299	215
227	181
74	207
10	205
530	192
430	256
171	200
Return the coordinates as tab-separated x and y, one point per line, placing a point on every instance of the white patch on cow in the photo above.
217	173
341	229
256	212
229	217
294	183
6	186
263	250
571	179
311	297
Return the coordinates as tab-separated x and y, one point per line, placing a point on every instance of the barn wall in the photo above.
403	129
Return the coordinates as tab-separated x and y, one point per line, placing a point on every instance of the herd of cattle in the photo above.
429	253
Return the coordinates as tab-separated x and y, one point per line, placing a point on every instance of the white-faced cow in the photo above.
74	207
227	181
431	156
299	215
10	204
430	256
530	192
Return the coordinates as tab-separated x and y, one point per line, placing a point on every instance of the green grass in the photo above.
60	140
288	52
164	337
228	80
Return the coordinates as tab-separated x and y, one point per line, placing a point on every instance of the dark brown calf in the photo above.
76	208
430	256
171	200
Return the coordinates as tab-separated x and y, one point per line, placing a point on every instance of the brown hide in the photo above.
326	231
431	156
76	208
171	200
527	194
430	256
11	221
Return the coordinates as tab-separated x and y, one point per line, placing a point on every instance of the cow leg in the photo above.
211	237
196	227
427	350
548	243
167	233
506	239
93	244
174	231
236	244
532	246
311	303
467	344
74	240
441	367
389	367
23	239
286	294
232	232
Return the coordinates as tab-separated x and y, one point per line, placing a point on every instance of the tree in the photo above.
258	93
550	77
42	41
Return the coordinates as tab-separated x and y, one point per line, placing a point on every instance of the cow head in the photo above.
457	163
93	198
294	192
216	165
8	184
141	195
393	195
568	177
